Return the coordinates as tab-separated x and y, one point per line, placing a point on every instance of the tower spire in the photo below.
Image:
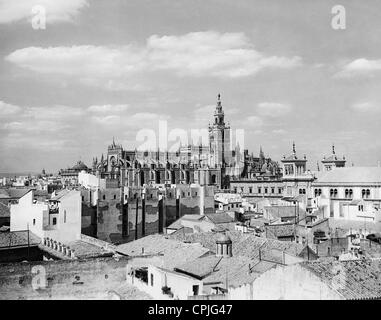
333	148
293	147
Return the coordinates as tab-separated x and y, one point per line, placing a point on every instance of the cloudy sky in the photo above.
111	68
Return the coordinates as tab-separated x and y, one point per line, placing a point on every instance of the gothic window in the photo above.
348	193
333	193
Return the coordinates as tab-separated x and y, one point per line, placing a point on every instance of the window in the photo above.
151	280
114	196
361	207
34	222
195	194
83	198
265	190
54	221
195	290
279	190
104	197
250	190
272	190
259	190
348	193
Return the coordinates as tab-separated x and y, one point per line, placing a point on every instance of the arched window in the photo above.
367	193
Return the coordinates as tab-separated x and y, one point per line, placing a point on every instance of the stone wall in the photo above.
65	279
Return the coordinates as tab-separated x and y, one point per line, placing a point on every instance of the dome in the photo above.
80	166
223	238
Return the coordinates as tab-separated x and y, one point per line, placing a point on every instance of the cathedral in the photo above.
204	165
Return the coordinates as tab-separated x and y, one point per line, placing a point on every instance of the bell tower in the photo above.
219	138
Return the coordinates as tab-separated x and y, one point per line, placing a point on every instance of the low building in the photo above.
59	218
316	280
349	193
69	176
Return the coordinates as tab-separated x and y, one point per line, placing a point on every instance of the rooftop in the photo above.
285	211
18	239
350	175
243	244
361	278
84	250
218	218
173	251
13	193
5	211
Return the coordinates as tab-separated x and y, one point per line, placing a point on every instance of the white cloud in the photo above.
211	53
57	112
366	107
359	67
8	109
56	10
273	109
279	131
198	54
253	121
108	108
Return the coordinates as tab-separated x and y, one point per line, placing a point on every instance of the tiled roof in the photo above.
258	222
350	175
370	249
281	230
200	267
5	211
17	239
13	193
361	279
233	271
217	218
242	244
85	250
189	217
182	230
284	211
173	251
